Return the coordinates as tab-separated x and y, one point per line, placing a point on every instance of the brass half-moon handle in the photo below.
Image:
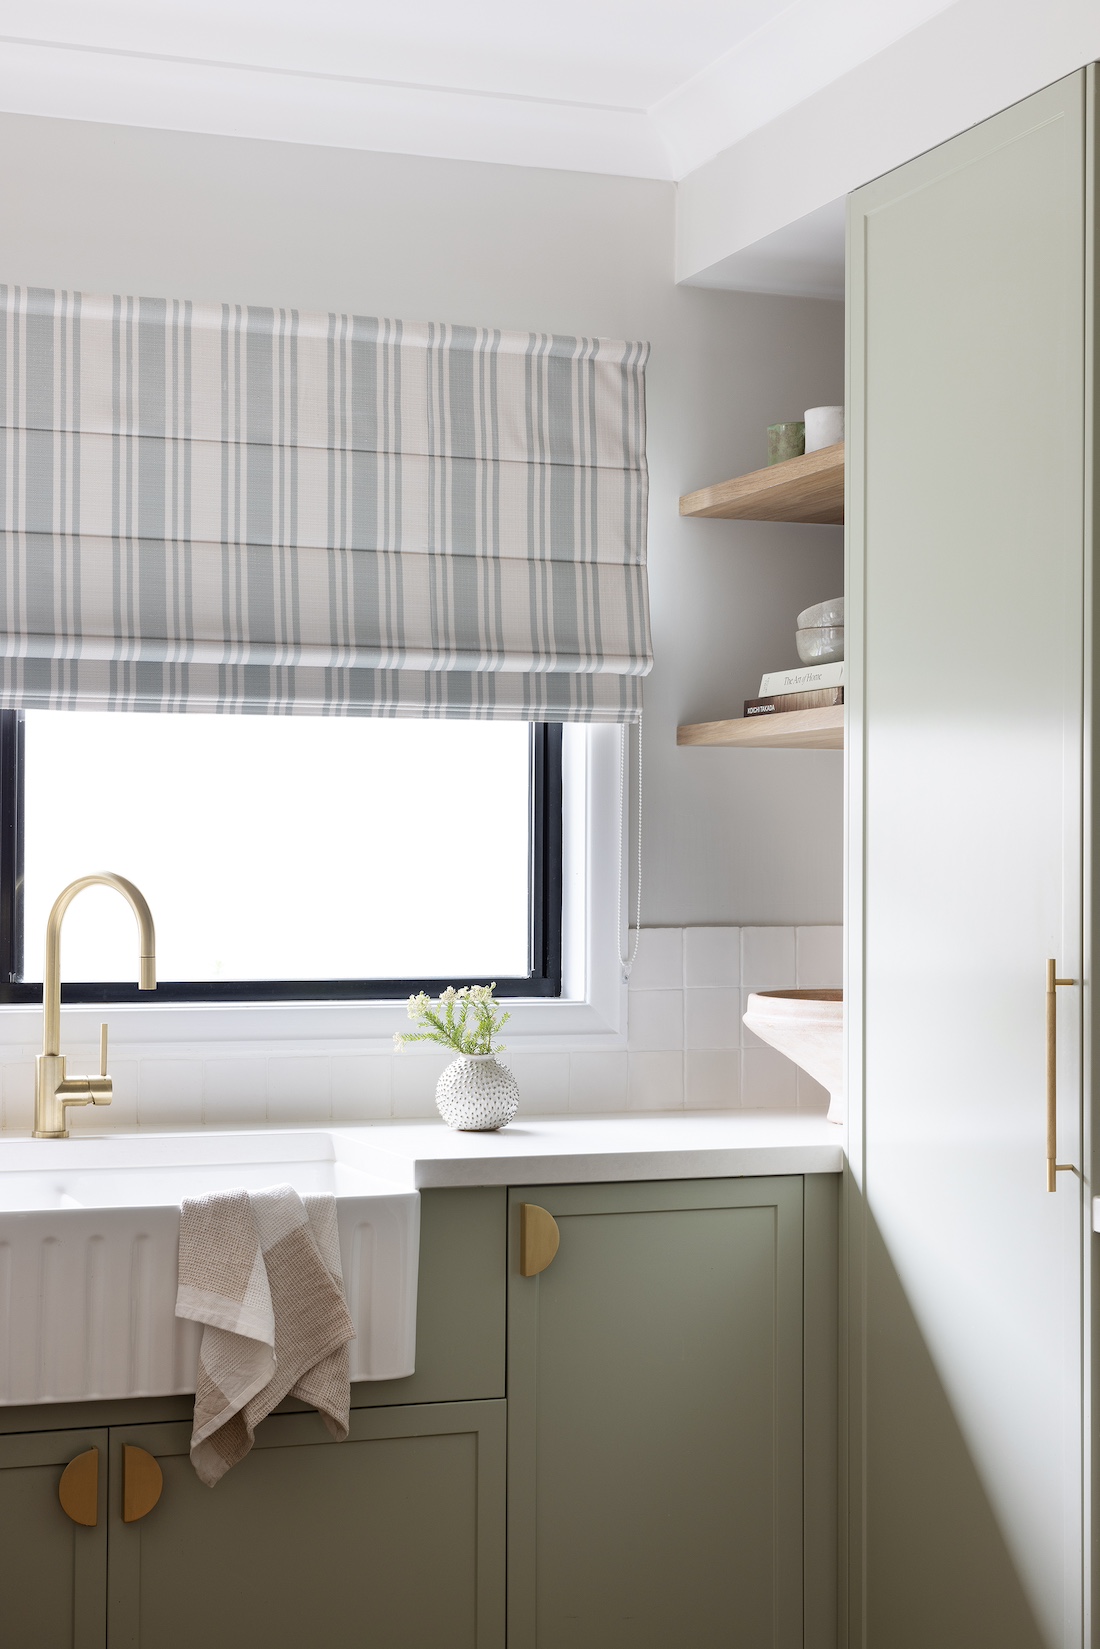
538	1238
142	1481
78	1490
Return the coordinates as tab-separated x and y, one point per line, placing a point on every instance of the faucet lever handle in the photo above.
103	1050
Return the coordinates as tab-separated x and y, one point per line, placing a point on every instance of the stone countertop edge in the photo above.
589	1150
423	1154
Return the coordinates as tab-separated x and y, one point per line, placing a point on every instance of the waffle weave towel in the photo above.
262	1271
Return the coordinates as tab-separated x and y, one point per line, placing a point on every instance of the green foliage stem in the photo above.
466	1020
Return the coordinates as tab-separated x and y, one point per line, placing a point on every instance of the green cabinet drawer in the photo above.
393	1539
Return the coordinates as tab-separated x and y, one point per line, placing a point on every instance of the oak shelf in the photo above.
821	729
810	488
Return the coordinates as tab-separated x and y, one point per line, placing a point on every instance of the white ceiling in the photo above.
649	88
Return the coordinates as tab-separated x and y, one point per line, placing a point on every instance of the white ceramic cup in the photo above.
824	427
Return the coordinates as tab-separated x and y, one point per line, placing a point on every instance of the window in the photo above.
284	858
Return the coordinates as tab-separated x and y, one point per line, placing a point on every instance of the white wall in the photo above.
966	64
730	837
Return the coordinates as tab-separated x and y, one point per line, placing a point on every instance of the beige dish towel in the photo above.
262	1271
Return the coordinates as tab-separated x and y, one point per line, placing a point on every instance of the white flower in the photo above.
448	995
398	1041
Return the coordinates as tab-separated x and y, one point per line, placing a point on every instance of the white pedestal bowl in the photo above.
807	1026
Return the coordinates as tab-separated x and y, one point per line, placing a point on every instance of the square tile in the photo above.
362	1086
543	1082
712	1019
659	964
768	1080
819	956
767	958
170	1093
811	1095
656	1082
656	1020
598	1082
299	1088
713	1081
415	1075
18	1089
234	1090
712	956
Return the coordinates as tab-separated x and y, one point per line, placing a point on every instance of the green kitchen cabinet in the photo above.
53	1571
665	1476
393	1539
655	1403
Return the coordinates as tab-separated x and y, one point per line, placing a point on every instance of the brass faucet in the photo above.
53	1090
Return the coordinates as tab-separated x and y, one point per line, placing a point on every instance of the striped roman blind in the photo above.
211	507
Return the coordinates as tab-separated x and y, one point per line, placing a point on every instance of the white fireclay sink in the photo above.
89	1240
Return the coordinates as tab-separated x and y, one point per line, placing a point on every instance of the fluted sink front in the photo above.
89	1238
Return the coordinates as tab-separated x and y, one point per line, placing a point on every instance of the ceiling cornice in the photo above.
810	44
345	112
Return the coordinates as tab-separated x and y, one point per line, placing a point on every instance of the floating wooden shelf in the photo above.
810	488
782	730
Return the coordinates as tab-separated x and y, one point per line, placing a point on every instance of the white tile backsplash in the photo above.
299	1089
234	1090
169	1093
656	1021
712	1081
712	1019
362	1087
819	956
769	1080
656	1081
414	1078
686	1046
598	1082
767	958
18	1093
543	1081
712	956
811	1095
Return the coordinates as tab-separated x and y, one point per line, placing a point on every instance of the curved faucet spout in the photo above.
51	982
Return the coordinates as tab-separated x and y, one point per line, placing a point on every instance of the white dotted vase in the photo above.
476	1093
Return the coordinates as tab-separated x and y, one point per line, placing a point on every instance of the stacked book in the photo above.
810	687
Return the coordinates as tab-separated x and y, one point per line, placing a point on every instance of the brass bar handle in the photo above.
78	1490
1054	1167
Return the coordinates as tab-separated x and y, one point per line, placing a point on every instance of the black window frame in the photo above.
545	907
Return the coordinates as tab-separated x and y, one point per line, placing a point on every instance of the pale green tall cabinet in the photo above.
971	467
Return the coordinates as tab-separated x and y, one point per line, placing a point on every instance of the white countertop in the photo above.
416	1155
563	1150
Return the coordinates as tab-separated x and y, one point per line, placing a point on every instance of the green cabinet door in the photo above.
53	1572
393	1539
655	1419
